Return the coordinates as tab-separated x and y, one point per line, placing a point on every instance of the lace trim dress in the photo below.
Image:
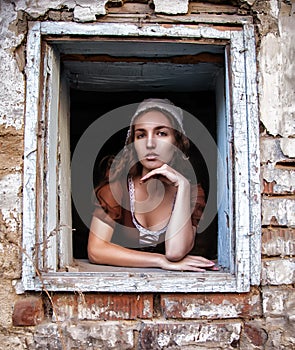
118	212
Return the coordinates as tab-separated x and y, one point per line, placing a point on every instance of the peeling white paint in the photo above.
84	10
283	246
208	333
284	179
10	200
146	308
277	272
94	312
277	75
270	150
87	11
274	8
283	210
163	339
12	81
288	146
250	2
171	7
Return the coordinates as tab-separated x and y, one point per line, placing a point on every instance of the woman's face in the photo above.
154	139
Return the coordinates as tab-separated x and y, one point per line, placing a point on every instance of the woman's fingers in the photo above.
165	171
192	263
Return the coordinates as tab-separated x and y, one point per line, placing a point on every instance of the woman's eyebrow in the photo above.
156	128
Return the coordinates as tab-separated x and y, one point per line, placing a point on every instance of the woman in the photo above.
147	210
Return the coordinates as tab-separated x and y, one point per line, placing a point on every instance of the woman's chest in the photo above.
152	210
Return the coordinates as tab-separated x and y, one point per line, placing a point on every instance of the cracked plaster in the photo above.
84	10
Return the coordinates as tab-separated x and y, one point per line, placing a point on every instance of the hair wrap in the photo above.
158	104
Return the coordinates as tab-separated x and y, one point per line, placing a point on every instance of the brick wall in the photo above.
260	319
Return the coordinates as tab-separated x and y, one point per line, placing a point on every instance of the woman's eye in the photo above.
139	136
162	133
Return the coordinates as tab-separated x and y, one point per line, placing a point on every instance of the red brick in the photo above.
116	306
65	306
211	306
90	306
278	241
28	312
268	187
256	335
188	335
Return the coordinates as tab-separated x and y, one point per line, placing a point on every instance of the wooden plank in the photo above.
205	7
30	155
203	57
131	8
40	175
65	250
102	76
138	280
224	172
128	29
51	226
202	18
254	154
241	212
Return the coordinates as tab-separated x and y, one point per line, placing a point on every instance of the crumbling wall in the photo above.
260	319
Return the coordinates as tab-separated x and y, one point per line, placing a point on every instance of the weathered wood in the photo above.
51	225
254	154
100	76
30	155
131	8
222	19
126	29
245	178
241	179
205	7
113	279
224	171
179	59
65	250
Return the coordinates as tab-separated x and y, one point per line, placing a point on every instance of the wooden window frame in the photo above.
47	247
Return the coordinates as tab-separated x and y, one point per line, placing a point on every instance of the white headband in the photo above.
162	105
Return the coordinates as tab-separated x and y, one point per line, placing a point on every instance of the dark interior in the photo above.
87	106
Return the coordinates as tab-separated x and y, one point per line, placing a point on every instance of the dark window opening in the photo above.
87	106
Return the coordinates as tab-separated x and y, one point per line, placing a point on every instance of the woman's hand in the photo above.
168	174
189	263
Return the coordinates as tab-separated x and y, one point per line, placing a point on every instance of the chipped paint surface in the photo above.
12	81
278	272
278	242
224	321
283	179
171	7
288	145
84	10
278	211
10	201
277	74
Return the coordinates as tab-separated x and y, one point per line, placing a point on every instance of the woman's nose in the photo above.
150	142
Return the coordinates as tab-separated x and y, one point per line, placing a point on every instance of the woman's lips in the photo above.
151	156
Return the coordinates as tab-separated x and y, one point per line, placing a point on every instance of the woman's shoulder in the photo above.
108	202
198	194
110	193
197	190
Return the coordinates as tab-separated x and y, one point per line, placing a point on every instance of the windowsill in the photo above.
48	102
83	265
87	277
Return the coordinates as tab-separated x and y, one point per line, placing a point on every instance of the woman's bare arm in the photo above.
102	251
180	234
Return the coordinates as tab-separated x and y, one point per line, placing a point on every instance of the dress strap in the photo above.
146	237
